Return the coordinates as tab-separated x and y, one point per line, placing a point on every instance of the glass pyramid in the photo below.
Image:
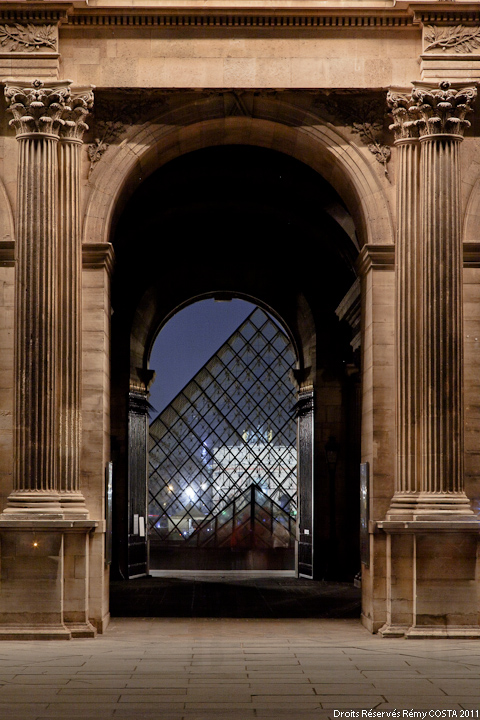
231	427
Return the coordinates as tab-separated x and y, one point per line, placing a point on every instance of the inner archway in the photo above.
222	487
242	221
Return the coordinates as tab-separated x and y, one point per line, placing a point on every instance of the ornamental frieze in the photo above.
29	38
458	39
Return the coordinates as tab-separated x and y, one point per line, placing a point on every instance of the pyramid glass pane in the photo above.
227	444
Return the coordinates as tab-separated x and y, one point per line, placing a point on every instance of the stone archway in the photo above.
348	168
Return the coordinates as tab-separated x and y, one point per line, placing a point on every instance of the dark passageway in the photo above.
233	596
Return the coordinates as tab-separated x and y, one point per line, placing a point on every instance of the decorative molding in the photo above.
30	37
471	255
376	257
34	12
98	256
7	253
38	107
442	110
237	18
458	38
365	117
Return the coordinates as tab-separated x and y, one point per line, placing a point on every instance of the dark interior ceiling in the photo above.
236	219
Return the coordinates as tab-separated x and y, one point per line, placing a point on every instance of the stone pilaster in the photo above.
407	304
37	110
70	301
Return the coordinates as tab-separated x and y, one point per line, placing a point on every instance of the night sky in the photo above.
187	341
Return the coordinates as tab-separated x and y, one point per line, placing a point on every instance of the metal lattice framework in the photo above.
232	426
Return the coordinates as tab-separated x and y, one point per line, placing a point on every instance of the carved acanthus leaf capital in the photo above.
75	113
38	107
405	115
442	110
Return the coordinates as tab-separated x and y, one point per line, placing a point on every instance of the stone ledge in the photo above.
448	524
35	632
15	524
442	632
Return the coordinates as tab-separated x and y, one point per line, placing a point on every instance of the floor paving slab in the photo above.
261	669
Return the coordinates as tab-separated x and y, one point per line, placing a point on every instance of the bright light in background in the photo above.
188	341
190	493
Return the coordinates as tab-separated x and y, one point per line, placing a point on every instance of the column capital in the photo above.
37	107
76	110
429	110
441	110
404	113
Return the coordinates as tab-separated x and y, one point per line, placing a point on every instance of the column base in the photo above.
28	502
423	505
73	506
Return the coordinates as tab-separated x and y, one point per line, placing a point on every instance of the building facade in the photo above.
322	160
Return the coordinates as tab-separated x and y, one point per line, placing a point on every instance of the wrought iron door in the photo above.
230	434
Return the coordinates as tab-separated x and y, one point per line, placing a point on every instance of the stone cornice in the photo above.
404	14
446	13
36	12
214	17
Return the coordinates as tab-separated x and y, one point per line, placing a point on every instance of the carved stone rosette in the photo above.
46	296
429	320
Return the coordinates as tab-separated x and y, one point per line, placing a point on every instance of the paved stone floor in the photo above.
236	669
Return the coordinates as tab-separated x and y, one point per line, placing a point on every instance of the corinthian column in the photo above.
429	301
407	305
441	122
37	110
70	301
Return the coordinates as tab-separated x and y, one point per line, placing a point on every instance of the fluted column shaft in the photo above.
69	307
35	309
407	321
442	317
69	279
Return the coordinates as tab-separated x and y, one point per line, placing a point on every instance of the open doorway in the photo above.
222	488
246	223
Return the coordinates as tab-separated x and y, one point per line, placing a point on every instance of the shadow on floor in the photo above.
258	597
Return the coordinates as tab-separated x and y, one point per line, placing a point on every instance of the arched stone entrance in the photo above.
234	215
